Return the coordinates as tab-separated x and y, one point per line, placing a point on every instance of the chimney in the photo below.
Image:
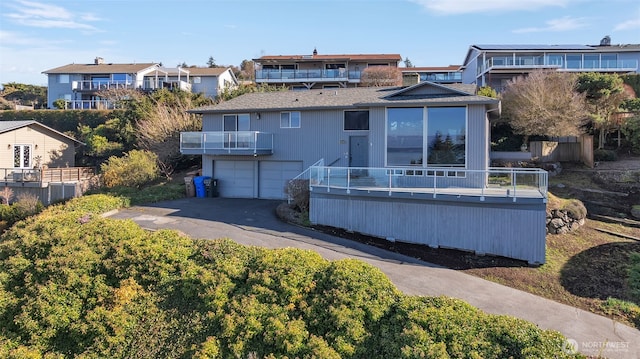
410	79
315	52
98	61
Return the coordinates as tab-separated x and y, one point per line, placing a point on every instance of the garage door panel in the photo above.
235	178
274	176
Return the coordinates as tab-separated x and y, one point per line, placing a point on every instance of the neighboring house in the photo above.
315	71
408	164
40	160
80	84
438	74
495	65
212	81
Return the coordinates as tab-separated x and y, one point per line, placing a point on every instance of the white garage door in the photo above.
235	178
274	176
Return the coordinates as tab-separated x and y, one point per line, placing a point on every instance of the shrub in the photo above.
631	130
6	195
60	104
634	276
134	169
298	191
604	155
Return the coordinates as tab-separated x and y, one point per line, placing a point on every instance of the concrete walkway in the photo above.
253	222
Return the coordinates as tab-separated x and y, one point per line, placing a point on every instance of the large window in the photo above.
437	134
63	78
290	119
236	122
446	136
356	120
122	79
405	136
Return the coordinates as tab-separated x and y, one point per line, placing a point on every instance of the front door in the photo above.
358	151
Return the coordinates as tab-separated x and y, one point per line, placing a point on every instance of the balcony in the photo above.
509	63
238	143
89	105
287	76
447	183
450	77
95	85
151	84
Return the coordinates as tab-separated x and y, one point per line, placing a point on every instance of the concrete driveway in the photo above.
253	222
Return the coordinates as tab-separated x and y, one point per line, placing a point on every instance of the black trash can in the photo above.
207	187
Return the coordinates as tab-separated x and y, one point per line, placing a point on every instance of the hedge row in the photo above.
74	284
63	120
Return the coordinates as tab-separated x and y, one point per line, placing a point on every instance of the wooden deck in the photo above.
41	177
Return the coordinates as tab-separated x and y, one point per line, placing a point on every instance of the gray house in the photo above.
407	164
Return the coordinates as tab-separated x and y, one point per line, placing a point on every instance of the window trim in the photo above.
290	125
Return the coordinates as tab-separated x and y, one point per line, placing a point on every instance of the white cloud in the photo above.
35	14
628	25
557	25
452	7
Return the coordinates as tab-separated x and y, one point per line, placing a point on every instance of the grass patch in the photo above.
585	268
156	192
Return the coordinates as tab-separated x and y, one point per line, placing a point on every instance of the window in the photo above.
22	156
437	134
122	79
405	136
446	136
609	61
198	79
290	119
356	120
63	78
574	61
591	61
239	122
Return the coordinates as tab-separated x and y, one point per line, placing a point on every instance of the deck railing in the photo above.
493	182
229	142
47	175
298	75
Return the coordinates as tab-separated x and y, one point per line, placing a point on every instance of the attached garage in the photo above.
274	175
254	179
236	179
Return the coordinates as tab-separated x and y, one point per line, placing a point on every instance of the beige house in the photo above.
39	160
30	144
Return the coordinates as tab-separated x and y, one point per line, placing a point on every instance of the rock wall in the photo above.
561	221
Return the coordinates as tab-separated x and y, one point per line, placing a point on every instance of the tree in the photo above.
247	70
407	62
487	91
378	76
25	94
605	94
545	103
211	62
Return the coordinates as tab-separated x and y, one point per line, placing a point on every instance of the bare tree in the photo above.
545	103
158	130
378	76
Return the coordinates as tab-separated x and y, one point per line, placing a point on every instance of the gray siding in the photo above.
478	227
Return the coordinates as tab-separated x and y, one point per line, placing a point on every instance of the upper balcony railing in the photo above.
274	75
226	143
89	105
560	63
42	176
99	85
442	77
157	84
449	182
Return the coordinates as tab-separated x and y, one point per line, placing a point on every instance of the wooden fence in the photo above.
564	149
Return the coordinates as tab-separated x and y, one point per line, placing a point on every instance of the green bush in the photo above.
631	131
604	155
634	276
75	284
134	169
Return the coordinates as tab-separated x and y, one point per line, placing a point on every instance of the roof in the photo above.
345	57
7	126
100	68
206	71
348	98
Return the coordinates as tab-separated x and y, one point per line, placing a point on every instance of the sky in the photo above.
36	36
